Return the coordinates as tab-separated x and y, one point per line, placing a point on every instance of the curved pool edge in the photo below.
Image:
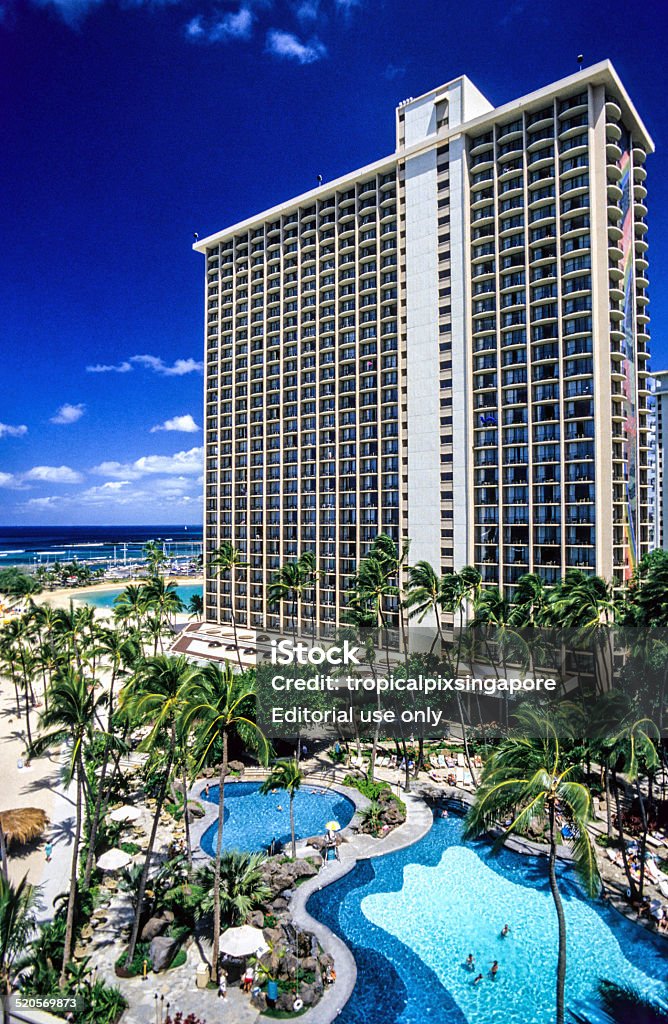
419	820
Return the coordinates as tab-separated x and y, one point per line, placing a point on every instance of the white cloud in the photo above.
179	368
8	480
71	11
287	46
8	431
184	424
69	413
123	367
307	10
233	25
187	463
53	475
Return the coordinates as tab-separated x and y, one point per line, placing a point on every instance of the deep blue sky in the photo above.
127	126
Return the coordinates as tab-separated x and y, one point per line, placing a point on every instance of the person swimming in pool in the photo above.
470	962
279	807
494	969
505	931
476	981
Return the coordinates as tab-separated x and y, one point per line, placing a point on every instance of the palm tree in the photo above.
155	558
155	696
18	904
228	559
196	607
242	887
120	653
288	585
286	775
130	605
72	709
222	703
425	596
164	599
527	780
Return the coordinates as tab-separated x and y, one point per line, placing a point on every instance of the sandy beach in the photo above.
39	784
61	598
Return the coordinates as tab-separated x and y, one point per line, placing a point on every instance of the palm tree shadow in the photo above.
62	832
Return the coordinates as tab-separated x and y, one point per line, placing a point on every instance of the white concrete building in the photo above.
449	345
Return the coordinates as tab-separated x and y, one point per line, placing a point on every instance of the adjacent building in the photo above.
660	457
449	345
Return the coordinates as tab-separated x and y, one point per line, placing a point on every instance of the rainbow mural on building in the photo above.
629	364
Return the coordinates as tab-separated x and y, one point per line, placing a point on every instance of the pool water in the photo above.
412	917
252	821
106	598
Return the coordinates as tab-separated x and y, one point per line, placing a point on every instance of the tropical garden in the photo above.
136	724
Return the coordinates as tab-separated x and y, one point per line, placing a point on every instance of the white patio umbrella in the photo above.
243	941
125	813
113	860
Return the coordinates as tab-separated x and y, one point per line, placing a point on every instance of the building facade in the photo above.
449	346
660	459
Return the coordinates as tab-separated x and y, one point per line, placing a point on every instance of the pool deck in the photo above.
355	846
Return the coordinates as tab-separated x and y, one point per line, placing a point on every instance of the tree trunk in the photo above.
561	919
3	853
69	926
100	791
186	822
292	826
620	828
467	753
215	953
151	843
608	800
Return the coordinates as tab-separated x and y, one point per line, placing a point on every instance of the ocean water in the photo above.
98	546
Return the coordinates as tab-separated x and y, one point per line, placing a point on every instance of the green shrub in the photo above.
142	952
179	959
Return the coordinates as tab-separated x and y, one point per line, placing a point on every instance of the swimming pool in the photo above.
412	917
252	820
106	598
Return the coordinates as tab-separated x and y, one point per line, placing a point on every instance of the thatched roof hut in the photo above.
23	824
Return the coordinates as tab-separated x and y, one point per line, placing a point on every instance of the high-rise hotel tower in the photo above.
449	345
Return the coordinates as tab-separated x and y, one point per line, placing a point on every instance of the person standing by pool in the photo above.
494	968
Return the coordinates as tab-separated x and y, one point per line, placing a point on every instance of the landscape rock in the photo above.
162	951
259	1001
195	810
308	994
154	926
236	766
255	919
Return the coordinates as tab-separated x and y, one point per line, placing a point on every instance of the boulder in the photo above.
195	810
273	936
317	842
162	951
303	869
289	966
285	1001
278	905
308	994
259	1001
154	926
236	766
255	919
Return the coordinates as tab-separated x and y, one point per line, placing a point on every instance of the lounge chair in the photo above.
663	886
461	761
441	761
459	776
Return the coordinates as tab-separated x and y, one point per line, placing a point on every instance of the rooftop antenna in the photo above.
580	59
320	179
